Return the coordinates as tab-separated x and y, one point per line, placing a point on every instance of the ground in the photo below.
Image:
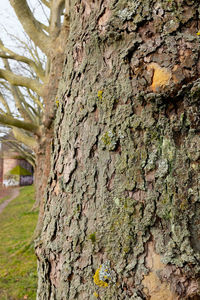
9	195
18	271
4	192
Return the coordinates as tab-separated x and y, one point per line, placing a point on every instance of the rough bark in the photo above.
124	183
42	169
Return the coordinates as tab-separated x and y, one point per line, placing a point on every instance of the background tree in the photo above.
34	93
24	151
22	108
123	193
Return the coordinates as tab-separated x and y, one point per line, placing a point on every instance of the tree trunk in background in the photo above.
42	169
43	152
123	186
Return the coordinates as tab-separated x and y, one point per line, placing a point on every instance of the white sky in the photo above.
8	22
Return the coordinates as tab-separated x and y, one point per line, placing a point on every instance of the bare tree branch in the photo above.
32	27
26	90
22	137
30	47
17	96
67	7
18	80
36	100
5	104
10	121
57	7
33	116
20	102
46	3
12	55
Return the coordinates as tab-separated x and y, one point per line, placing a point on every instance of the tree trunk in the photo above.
121	215
51	102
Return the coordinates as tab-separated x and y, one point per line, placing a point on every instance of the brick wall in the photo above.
10	160
9	164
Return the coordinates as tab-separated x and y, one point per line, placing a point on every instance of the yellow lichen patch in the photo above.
96	295
97	281
161	76
100	94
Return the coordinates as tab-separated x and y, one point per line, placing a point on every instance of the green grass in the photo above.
3	199
18	274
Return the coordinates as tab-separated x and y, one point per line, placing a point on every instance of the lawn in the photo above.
18	274
3	199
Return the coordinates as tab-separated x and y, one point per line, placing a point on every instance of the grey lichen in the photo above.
106	273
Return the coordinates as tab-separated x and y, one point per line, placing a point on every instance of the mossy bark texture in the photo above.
123	190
